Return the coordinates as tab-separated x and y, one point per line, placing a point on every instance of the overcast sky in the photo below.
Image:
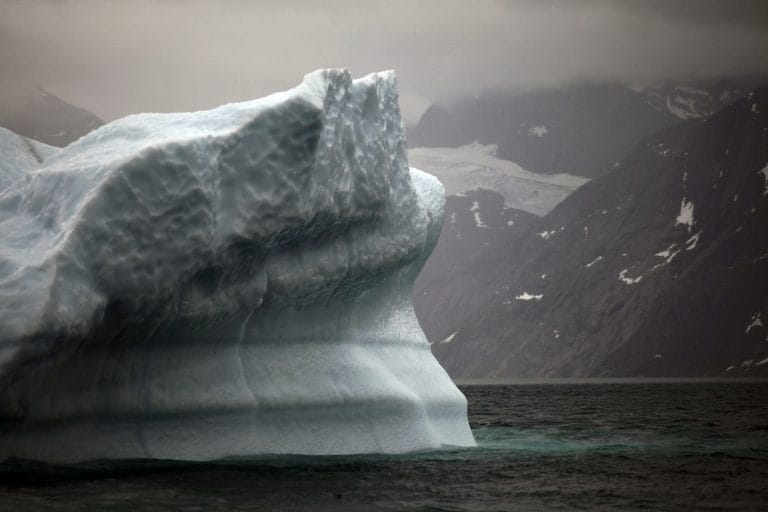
116	57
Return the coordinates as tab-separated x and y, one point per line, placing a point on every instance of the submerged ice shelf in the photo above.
229	282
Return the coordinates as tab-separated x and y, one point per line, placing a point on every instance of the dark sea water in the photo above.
588	446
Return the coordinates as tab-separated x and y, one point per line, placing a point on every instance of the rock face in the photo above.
221	283
659	268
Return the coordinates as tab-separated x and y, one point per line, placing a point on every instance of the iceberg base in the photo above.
378	410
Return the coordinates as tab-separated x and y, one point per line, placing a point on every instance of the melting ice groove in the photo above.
229	282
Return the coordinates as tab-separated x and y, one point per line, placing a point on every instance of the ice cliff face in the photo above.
228	282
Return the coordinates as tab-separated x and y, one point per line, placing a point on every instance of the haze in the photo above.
120	57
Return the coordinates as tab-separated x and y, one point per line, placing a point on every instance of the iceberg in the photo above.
231	282
18	155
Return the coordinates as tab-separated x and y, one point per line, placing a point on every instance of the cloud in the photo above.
122	56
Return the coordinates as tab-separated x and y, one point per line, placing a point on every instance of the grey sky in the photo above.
116	57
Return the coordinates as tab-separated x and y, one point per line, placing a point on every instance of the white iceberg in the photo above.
18	155
229	282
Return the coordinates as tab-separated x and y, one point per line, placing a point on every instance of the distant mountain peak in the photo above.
580	128
40	115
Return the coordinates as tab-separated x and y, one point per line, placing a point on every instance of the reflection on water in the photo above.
655	446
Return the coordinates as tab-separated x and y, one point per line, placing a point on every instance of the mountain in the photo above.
581	129
39	115
476	166
477	232
659	268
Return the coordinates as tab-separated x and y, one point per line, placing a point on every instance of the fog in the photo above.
116	57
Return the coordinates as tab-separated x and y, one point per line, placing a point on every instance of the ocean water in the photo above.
587	446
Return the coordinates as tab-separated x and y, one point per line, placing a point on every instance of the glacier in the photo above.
230	282
476	166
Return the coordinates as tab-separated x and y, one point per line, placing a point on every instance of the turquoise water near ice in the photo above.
587	446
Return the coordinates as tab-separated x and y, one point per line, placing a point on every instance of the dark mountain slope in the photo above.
657	269
477	232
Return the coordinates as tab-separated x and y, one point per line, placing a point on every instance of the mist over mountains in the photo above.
656	267
581	129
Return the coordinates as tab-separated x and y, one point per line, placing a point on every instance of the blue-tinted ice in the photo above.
220	283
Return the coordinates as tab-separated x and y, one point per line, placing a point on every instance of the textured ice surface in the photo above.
229	282
18	155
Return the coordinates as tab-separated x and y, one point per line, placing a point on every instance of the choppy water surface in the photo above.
592	446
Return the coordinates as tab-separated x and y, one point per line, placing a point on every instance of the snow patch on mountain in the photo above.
547	234
687	102
691	243
629	280
476	214
449	338
755	322
599	258
667	253
685	216
680	108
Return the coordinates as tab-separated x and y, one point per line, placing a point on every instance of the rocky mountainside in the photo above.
659	268
39	115
582	129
